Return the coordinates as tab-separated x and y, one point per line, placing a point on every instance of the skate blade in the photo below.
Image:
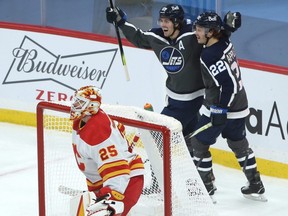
214	201
256	197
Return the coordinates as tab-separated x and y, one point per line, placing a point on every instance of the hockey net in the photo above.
172	185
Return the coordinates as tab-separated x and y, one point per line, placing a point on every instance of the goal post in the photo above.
172	185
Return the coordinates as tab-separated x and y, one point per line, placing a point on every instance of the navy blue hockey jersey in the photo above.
222	79
179	57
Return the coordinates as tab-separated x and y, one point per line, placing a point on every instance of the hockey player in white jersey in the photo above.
114	174
225	104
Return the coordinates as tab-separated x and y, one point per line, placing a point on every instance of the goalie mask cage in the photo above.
172	185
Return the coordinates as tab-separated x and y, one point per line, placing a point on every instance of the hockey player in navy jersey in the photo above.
177	49
225	104
176	46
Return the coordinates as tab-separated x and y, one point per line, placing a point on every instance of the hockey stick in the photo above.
69	191
120	45
149	107
199	130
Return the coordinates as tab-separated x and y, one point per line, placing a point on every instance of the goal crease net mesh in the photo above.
172	185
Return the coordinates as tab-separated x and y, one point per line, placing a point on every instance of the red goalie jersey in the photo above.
103	155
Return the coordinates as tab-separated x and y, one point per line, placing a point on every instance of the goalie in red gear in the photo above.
114	174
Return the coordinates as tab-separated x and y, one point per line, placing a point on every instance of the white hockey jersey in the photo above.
102	154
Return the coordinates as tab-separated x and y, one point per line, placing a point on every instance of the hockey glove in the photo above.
116	15
105	207
232	21
106	202
218	115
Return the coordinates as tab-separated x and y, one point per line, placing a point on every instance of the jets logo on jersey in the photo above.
171	59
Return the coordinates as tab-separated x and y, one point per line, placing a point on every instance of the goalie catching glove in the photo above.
106	202
116	15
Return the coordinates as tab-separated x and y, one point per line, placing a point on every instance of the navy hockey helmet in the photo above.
209	20
172	11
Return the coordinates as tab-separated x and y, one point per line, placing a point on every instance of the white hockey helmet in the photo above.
86	101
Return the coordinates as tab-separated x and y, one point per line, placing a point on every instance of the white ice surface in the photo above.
18	181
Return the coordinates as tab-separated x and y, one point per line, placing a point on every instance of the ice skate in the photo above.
254	190
210	187
208	179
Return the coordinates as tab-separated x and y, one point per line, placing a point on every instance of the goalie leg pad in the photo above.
79	203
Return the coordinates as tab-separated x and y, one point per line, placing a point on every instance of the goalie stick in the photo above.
69	191
74	192
120	45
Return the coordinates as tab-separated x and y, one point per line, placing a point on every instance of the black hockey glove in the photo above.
232	21
116	15
218	115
